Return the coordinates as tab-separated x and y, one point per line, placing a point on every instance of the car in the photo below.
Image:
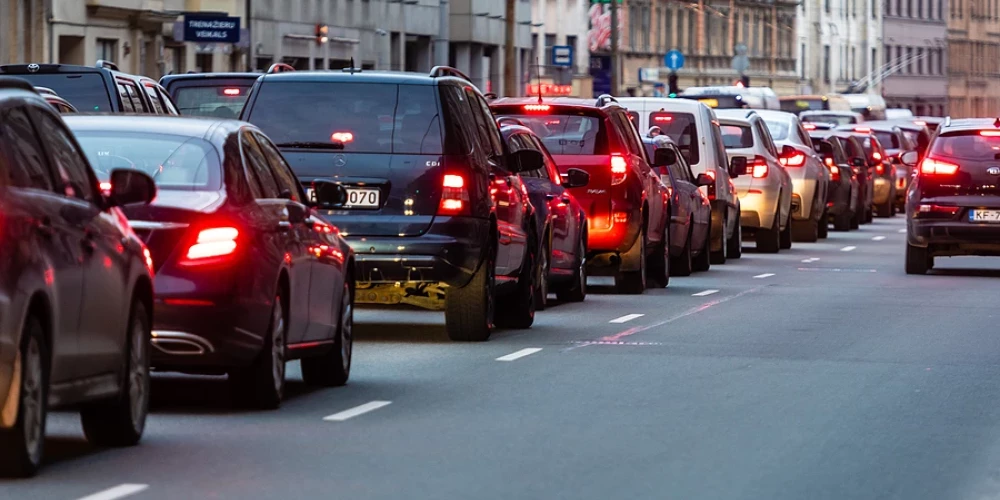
219	95
898	137
898	113
690	208
874	139
101	88
436	212
733	97
861	166
953	205
815	102
917	132
932	122
247	276
766	191
61	105
695	131
625	200
843	197
810	178
835	118
563	253
77	287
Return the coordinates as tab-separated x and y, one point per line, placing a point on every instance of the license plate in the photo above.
984	215
362	198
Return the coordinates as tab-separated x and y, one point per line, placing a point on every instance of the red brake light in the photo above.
106	187
989	133
343	137
880	169
213	242
796	160
537	108
809	126
663	119
454	181
454	196
711	174
149	259
619	169
863	130
920	122
876	156
834	172
759	167
931	166
231	91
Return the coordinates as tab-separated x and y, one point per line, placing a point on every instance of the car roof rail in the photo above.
439	71
605	99
947	121
11	82
279	68
105	64
45	91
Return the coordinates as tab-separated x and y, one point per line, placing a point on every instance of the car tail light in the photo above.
759	167
711	187
920	123
863	130
454	196
834	173
828	161
211	244
343	137
663	119
619	169
537	108
796	160
809	126
880	169
231	91
148	257
928	211
931	166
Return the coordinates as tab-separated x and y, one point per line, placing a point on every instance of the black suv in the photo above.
433	195
77	287
97	89
953	205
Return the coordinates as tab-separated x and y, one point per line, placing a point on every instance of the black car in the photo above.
435	209
690	208
76	285
219	95
563	245
919	137
247	275
844	194
97	89
953	206
892	174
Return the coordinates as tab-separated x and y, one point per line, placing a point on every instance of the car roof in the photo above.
160	124
775	114
831	112
207	76
963	124
569	102
736	113
734	119
880	126
394	77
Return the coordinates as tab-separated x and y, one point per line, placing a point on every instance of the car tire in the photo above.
885	210
23	445
703	262
683	264
769	240
518	309
918	260
468	310
823	226
869	215
634	282
333	368
856	220
120	421
806	231
786	235
720	257
735	242
576	289
658	268
262	384
542	280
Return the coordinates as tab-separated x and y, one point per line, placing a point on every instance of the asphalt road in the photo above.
821	372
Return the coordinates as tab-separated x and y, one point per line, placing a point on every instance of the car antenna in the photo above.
352	65
538	77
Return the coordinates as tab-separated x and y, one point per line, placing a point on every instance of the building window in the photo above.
826	64
203	62
888	55
873	60
692	22
826	6
920	61
550	41
571	41
107	49
633	17
668	27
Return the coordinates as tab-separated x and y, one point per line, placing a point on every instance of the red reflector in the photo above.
342	137
537	107
990	133
940	209
931	166
188	302
231	92
214	242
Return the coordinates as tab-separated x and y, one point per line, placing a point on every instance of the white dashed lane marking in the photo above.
810	260
625	318
902	230
848	249
706	292
765	275
878	238
357	410
120	491
519	354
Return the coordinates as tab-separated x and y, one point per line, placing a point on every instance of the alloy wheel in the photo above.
138	376
32	400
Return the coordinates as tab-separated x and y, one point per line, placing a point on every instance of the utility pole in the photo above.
510	53
247	19
614	47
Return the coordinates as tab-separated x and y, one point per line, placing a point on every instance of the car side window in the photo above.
765	138
154	98
128	105
683	168
263	185
24	151
518	142
803	136
488	132
168	103
282	172
720	147
74	178
551	172
630	134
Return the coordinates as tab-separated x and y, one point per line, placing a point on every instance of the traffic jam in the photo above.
229	224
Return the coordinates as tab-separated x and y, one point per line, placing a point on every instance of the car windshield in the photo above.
175	162
737	136
220	101
85	91
566	134
970	145
779	130
354	117
829	118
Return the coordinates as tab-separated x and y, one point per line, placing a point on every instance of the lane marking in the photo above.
902	230
837	270
519	354
625	318
878	238
357	410
765	275
120	491
705	293
810	259
848	249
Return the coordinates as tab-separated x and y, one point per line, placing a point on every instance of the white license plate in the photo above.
984	215
363	198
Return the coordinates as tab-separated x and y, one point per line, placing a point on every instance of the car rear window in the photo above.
967	145
682	129
377	117
220	101
567	134
888	140
85	91
836	119
737	136
779	130
175	162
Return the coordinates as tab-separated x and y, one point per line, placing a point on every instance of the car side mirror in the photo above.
297	213
129	187
664	157
704	179
858	162
575	178
737	166
526	160
909	158
327	194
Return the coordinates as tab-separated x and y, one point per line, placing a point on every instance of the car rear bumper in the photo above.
838	199
883	191
954	237
203	337
758	208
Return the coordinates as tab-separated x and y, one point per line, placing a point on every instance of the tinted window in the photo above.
487	125
381	117
458	136
128	105
966	146
72	172
265	186
552	173
576	134
682	129
720	148
86	91
24	151
888	139
154	98
779	130
175	162
736	136
282	172
220	101
629	134
168	103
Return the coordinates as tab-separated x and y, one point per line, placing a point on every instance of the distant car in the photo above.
690	208
875	139
218	95
953	206
831	117
563	253
861	165
898	113
77	287
845	191
932	122
247	275
62	105
898	137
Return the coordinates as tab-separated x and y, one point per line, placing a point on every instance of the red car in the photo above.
625	201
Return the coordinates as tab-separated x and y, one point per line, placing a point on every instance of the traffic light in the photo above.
672	89
322	34
745	80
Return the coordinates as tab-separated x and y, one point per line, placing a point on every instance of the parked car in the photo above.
880	165
562	253
219	95
101	88
953	207
247	276
844	195
76	286
810	178
695	131
625	199
766	191
831	118
690	209
51	97
435	210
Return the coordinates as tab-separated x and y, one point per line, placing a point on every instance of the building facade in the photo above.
973	60
561	23
839	46
915	52
476	35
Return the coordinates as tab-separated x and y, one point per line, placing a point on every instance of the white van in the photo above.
695	130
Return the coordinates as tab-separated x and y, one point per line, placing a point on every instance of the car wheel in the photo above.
722	255
735	243
468	310
120	421
869	215
659	264
262	384
885	209
683	264
823	226
918	260
634	282
703	262
542	280
786	235
769	240
805	231
518	310
333	368
576	290
22	446
856	220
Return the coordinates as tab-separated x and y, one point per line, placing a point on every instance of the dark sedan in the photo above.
247	275
880	144
844	195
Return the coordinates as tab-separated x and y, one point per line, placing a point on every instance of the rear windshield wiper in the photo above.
311	145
